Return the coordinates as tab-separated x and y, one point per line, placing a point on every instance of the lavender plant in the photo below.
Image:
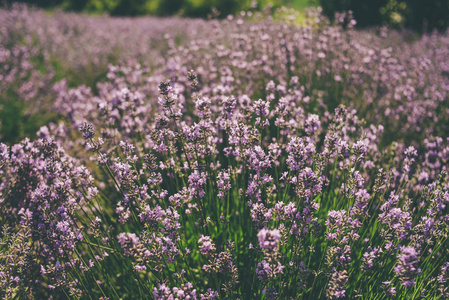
264	161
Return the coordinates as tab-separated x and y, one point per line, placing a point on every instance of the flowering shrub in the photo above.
264	161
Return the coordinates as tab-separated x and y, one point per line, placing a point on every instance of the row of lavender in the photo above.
226	159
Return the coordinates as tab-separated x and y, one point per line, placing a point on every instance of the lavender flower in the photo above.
268	239
207	247
407	266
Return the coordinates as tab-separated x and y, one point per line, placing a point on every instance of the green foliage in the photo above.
427	15
98	6
167	7
16	123
129	8
418	15
197	8
187	8
40	3
366	12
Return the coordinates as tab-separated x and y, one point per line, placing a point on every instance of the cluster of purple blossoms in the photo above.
407	267
300	153
223	183
269	239
443	279
270	267
196	182
42	191
206	245
185	292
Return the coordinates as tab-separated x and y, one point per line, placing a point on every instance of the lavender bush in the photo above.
246	158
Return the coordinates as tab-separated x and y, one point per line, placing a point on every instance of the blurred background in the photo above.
417	15
187	8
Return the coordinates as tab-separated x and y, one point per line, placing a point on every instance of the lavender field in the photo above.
245	158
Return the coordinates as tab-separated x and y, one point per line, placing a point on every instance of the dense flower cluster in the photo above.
42	191
242	158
